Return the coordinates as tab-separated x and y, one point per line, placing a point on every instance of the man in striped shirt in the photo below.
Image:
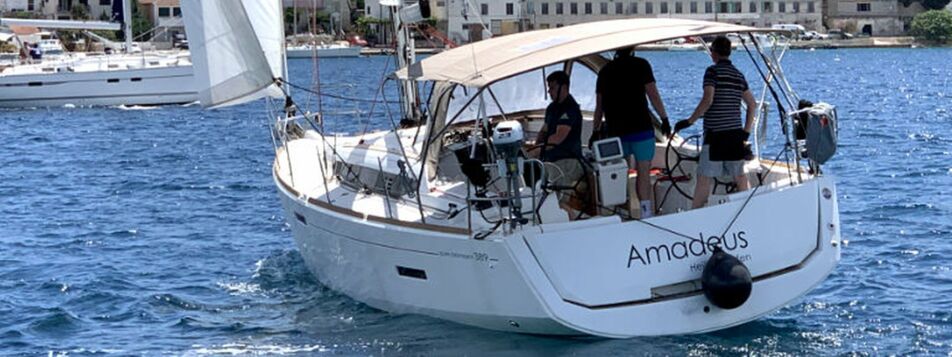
724	133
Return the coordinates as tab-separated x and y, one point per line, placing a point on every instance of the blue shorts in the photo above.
639	145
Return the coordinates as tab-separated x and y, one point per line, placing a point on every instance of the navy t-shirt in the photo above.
622	86
565	113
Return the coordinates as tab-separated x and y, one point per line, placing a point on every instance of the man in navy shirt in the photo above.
724	133
561	134
622	91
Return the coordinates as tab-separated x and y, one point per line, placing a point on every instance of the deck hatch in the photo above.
411	273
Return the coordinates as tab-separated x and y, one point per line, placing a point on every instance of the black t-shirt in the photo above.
565	113
622	86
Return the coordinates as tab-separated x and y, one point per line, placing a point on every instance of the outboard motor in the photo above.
726	280
507	140
821	133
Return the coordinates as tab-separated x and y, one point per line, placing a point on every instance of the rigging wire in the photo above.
341	97
740	210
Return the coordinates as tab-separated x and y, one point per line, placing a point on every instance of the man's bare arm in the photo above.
655	96
704	105
751	110
561	132
597	117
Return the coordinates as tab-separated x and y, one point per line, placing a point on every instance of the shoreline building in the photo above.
379	31
872	17
166	17
466	18
11	6
338	13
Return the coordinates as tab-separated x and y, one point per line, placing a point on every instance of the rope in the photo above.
340	96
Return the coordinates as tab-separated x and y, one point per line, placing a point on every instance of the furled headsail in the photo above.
237	49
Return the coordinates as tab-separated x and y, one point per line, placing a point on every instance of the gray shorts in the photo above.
709	168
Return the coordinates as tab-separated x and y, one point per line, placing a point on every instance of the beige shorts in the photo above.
566	174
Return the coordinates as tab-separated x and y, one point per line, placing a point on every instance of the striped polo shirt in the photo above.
729	85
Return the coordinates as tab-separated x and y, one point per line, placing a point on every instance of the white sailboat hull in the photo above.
142	86
600	277
324	52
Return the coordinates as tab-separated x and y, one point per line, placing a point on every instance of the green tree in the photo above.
140	25
933	25
24	15
928	4
79	12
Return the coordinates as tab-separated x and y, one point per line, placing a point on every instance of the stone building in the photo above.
8	6
871	17
503	17
166	16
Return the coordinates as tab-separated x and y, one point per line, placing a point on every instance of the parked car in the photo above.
180	41
794	30
837	34
810	35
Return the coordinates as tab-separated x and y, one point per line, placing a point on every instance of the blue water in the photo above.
159	231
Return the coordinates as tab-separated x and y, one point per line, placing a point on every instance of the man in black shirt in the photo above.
724	133
561	134
622	91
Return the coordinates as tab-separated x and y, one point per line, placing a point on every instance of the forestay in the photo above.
484	62
237	49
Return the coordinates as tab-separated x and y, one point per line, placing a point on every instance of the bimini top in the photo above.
484	62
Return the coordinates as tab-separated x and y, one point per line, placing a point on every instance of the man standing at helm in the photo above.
622	91
724	134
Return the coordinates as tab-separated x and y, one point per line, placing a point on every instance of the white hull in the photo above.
599	276
152	79
150	86
324	52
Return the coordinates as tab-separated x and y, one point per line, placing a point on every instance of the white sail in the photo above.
266	19
233	62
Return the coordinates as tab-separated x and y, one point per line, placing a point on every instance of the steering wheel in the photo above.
680	158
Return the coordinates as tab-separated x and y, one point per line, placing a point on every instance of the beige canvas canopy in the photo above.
484	62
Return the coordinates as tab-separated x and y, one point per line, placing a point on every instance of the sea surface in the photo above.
158	231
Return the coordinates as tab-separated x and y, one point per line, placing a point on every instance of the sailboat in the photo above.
443	216
111	79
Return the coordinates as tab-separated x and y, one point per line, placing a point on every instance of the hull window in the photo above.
411	273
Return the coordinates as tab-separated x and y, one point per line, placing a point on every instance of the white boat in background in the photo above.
144	78
100	80
686	47
337	49
444	218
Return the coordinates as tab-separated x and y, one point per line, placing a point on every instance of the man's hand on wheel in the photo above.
681	125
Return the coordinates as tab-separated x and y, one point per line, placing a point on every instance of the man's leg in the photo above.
701	191
644	151
743	184
643	186
736	170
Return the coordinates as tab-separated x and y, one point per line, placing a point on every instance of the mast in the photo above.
127	23
405	52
